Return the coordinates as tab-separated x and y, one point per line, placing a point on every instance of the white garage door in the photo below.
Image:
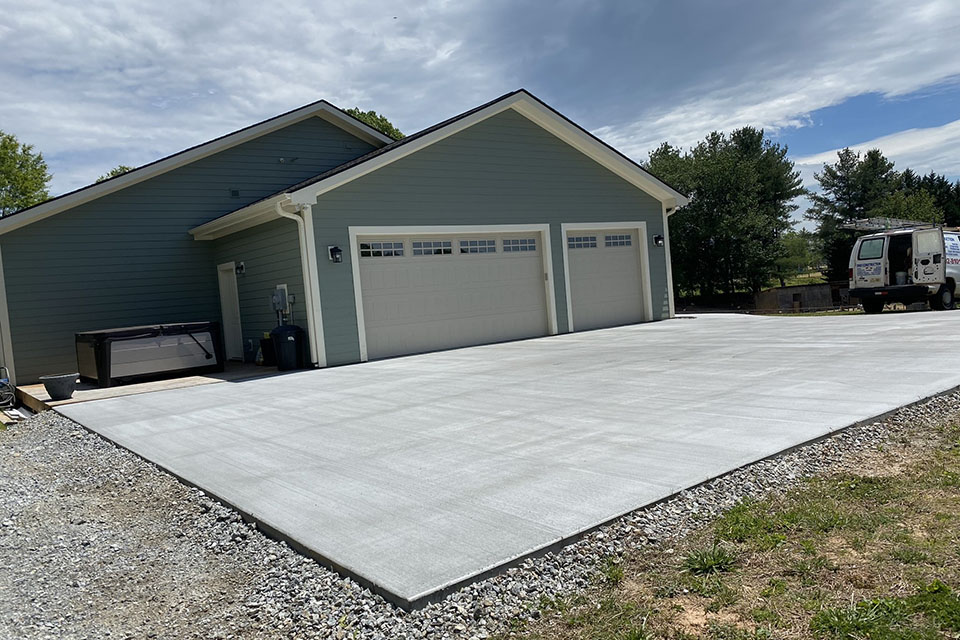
428	292
606	284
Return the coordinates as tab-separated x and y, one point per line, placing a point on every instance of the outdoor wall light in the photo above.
241	268
658	240
336	253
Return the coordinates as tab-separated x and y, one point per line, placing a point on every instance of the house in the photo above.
508	221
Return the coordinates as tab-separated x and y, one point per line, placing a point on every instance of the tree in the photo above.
23	175
918	205
116	171
377	121
853	187
741	190
801	253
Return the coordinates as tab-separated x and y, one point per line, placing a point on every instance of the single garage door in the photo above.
606	283
428	292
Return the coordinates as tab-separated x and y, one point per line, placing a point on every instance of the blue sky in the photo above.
96	84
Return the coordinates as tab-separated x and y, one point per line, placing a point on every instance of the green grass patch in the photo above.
716	558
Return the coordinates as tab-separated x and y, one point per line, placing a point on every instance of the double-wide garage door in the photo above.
427	292
422	293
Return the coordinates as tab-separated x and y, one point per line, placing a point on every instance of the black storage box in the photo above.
122	355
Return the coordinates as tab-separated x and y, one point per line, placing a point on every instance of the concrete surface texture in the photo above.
418	474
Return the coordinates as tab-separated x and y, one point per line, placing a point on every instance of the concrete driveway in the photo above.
418	474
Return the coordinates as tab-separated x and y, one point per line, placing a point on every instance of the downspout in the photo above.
307	280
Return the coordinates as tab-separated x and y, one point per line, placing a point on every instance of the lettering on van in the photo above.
869	269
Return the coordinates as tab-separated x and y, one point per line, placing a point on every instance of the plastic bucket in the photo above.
60	386
901	277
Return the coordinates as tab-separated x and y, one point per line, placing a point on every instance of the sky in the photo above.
96	84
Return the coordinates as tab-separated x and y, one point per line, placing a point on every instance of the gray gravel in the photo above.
97	543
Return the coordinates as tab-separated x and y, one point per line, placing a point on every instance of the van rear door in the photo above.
928	262
868	267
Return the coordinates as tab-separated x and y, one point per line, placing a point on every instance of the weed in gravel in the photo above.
612	571
716	558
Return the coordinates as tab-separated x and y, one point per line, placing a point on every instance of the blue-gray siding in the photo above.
271	255
127	258
504	170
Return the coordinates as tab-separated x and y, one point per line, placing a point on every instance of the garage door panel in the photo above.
606	285
418	303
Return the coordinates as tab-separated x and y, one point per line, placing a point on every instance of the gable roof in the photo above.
522	101
321	109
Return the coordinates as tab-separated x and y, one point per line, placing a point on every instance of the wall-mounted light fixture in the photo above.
336	253
241	268
658	240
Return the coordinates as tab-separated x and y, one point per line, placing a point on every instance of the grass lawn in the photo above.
873	553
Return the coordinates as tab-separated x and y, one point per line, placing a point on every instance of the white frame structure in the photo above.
546	256
232	268
643	246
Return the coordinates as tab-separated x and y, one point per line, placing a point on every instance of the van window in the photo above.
928	242
871	249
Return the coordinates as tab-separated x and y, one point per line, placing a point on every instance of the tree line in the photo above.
738	232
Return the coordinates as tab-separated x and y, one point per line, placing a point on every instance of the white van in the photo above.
905	265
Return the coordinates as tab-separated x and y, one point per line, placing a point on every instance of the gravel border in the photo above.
176	564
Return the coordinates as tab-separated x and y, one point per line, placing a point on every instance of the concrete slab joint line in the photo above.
419	475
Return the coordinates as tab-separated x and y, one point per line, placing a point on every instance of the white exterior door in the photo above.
230	311
427	292
606	277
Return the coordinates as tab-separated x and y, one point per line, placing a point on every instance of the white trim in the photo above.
546	256
313	298
256	214
232	268
643	245
668	262
6	339
534	110
322	109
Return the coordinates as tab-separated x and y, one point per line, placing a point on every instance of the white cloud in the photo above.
888	47
923	150
95	83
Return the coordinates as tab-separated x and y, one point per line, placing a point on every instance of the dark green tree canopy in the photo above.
23	175
377	121
116	171
741	190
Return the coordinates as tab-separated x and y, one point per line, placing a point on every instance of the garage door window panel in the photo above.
582	242
618	240
432	247
478	246
519	245
381	249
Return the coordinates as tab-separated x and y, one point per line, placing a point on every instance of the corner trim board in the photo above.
6	339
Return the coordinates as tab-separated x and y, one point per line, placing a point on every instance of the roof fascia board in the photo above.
310	193
257	214
321	109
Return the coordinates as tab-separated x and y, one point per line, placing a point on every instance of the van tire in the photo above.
872	306
943	301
